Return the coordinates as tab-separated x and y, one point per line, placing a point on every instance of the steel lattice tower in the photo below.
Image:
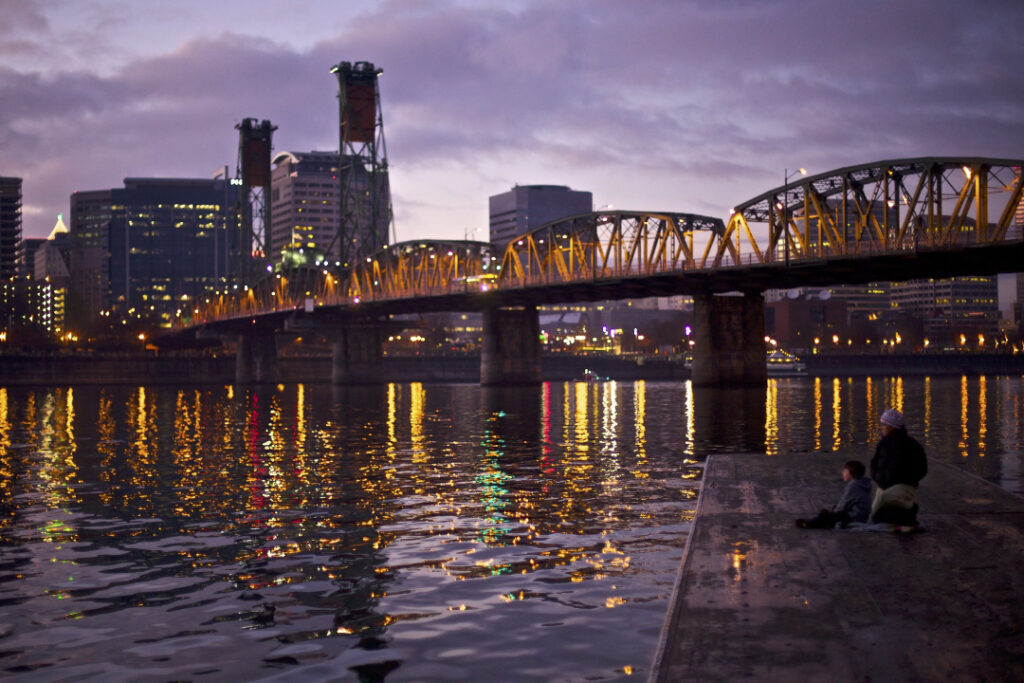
365	194
250	252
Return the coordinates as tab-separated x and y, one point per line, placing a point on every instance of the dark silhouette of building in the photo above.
149	250
951	307
525	207
26	258
794	322
10	226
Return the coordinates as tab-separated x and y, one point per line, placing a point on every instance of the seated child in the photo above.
854	506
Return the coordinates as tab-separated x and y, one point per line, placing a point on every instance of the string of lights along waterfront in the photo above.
413	531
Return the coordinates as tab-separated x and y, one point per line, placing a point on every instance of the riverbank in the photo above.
172	368
912	364
760	599
125	368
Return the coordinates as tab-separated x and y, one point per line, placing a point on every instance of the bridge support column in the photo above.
729	336
511	347
256	359
358	356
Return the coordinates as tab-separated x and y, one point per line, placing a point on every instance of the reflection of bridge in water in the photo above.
890	220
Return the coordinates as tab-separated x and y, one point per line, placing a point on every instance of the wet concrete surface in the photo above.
759	599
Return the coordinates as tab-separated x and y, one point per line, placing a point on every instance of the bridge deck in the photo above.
760	599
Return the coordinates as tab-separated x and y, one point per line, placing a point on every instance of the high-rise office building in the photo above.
144	251
10	226
32	309
305	206
51	259
525	207
951	307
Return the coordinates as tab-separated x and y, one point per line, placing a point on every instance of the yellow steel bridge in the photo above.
888	220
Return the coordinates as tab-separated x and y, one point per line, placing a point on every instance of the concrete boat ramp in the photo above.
759	599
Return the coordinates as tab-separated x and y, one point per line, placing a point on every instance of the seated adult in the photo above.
898	467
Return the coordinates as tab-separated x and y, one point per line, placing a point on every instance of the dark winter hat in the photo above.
893	418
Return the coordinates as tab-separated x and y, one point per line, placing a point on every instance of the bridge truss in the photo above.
878	208
832	223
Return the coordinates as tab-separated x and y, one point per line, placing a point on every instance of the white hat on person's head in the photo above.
892	417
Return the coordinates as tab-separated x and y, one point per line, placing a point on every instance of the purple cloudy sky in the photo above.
684	106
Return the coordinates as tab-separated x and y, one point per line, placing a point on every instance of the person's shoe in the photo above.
912	516
802	523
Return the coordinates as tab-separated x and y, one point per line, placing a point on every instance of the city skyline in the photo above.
667	106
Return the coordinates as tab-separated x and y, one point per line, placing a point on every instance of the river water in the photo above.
410	532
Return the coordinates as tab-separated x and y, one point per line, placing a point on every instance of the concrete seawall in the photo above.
913	364
759	599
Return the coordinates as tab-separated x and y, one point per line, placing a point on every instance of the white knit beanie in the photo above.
892	417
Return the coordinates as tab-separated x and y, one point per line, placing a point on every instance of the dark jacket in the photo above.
856	500
899	459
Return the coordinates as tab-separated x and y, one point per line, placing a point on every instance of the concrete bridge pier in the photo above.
729	336
256	359
511	347
358	355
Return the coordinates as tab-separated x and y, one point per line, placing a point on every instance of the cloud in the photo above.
673	105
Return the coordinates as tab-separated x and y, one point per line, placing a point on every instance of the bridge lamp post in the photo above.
785	208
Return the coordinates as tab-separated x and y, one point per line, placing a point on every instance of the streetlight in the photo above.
785	208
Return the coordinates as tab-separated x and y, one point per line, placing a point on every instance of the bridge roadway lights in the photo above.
256	359
511	347
729	340
358	356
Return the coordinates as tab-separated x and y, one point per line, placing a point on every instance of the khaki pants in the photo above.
898	495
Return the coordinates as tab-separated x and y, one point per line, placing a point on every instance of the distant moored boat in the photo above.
784	364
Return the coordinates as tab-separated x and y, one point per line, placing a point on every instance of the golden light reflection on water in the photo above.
372	487
982	414
56	447
771	418
274	473
965	434
927	404
186	451
69	411
392	420
739	560
300	418
640	424
417	400
837	413
817	413
580	420
689	440
871	411
896	394
7	467
107	450
609	417
612	466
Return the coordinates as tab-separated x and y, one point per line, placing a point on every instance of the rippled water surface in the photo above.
410	532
